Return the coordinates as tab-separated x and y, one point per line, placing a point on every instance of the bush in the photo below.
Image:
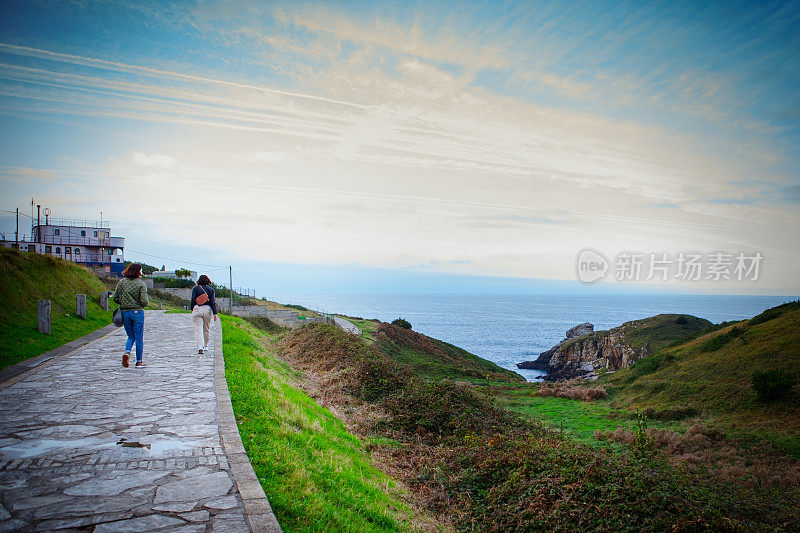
402	322
571	391
681	320
772	384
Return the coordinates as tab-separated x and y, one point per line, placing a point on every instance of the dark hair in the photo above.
132	271
203	280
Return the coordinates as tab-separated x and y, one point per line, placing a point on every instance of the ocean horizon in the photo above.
508	329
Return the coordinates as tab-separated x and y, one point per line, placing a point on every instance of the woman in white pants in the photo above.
203	308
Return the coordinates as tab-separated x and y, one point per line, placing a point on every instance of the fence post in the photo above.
80	305
44	316
160	306
104	300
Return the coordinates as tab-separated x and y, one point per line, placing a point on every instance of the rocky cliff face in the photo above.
543	361
584	355
584	350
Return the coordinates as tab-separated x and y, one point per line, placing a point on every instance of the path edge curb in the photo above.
259	513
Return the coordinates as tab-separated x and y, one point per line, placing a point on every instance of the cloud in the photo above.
152	160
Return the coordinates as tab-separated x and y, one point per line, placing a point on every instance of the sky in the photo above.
411	145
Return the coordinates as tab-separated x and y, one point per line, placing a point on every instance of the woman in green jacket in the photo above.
131	295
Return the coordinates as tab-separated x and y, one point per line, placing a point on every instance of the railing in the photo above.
71	240
75	222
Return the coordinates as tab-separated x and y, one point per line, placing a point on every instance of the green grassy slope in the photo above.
27	277
431	358
480	467
712	375
317	475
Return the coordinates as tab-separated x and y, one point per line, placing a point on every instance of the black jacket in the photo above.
198	290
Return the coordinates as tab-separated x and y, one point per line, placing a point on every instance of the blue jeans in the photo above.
134	327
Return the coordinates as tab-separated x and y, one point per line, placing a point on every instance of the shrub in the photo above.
571	391
402	322
681	320
772	384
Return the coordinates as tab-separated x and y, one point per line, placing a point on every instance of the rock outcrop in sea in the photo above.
584	351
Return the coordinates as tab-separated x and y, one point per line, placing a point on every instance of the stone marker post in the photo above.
80	305
104	300
44	316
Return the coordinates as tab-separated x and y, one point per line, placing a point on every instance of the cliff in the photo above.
584	351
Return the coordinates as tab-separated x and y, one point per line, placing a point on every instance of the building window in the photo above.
95	234
31	247
58	249
77	250
110	251
48	249
58	231
67	250
83	233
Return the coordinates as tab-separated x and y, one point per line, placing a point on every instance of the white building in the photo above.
86	242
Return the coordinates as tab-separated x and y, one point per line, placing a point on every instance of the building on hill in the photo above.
86	242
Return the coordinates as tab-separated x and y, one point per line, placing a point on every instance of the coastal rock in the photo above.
579	331
543	361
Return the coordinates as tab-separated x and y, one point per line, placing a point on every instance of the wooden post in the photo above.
44	316
104	300
80	305
160	306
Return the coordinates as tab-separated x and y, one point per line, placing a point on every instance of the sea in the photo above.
508	329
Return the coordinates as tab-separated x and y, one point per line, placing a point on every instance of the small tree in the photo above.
402	322
183	273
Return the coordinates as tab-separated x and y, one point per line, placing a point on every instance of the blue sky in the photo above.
448	138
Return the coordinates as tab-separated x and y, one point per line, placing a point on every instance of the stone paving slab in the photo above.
88	445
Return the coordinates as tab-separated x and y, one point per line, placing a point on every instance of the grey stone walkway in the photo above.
87	444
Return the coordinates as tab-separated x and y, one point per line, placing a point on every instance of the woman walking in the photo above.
131	295
203	308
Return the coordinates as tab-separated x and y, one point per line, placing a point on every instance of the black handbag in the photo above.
117	317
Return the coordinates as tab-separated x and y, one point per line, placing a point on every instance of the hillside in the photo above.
616	348
27	277
475	465
428	357
711	376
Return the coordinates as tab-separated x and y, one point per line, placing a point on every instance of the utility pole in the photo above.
38	223
230	272
16	233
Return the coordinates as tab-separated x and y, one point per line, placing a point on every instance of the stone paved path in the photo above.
90	445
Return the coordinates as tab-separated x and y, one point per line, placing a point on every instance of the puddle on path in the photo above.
35	447
29	448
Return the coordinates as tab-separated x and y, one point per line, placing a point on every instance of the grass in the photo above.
433	359
712	374
578	419
317	475
477	466
26	277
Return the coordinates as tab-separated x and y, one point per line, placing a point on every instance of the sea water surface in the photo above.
508	329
